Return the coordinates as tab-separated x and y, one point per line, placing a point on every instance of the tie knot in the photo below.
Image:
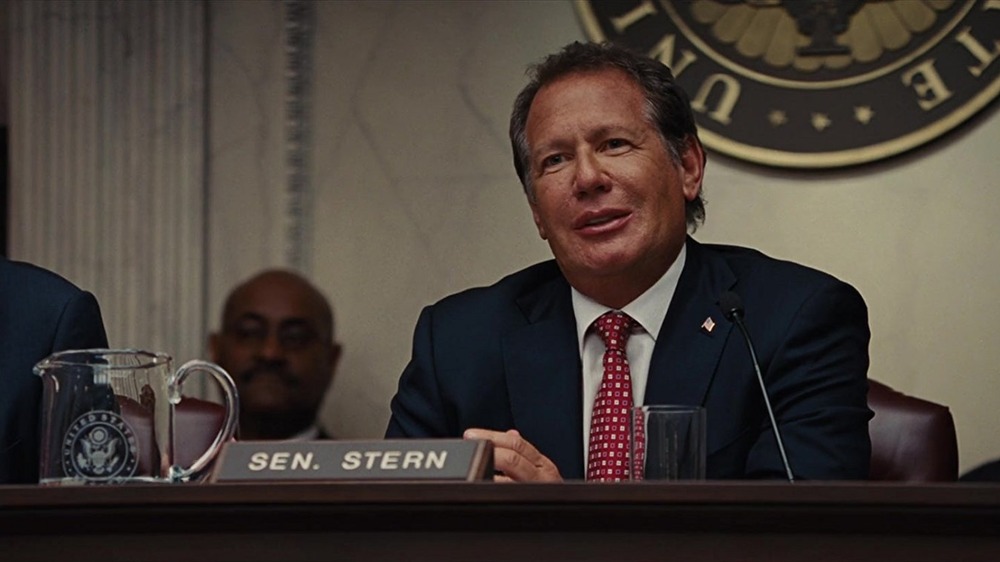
614	327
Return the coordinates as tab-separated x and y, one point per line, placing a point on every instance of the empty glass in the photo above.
667	442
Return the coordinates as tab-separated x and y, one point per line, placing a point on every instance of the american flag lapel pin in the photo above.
708	325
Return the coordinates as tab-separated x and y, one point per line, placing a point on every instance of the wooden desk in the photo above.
811	522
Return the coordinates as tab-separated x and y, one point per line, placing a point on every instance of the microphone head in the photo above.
731	305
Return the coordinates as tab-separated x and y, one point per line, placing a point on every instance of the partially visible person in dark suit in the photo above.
40	313
986	472
277	342
606	148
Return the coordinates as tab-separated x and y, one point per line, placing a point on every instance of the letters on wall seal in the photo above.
816	83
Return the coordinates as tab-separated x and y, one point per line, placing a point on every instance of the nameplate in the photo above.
398	460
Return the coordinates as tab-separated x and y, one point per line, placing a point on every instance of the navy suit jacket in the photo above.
506	357
40	314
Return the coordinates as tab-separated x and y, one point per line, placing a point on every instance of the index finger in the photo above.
515	458
510	439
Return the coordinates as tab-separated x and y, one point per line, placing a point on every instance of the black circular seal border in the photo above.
809	123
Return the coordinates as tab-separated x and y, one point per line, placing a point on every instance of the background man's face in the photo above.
277	346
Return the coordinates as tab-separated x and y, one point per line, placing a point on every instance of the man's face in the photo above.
607	196
277	346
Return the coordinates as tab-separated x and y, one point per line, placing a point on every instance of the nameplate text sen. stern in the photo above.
391	460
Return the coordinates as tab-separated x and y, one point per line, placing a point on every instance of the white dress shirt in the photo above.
648	310
310	433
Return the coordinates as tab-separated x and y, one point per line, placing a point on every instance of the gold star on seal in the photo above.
777	117
863	114
820	121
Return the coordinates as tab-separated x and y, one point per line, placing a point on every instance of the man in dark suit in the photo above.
986	472
606	147
40	313
277	341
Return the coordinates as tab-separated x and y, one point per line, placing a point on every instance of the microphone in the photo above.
732	308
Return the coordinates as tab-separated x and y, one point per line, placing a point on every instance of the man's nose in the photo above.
589	175
271	348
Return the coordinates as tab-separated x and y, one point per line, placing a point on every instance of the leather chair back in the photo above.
196	423
913	440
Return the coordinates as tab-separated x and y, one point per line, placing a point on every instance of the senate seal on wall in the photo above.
816	83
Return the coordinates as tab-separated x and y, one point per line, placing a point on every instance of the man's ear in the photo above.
334	360
213	346
335	351
693	166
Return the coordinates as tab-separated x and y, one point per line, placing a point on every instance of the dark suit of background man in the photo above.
277	341
40	314
606	147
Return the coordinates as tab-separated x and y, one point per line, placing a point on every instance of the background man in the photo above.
40	313
277	341
606	147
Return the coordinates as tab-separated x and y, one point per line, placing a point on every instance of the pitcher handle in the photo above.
232	405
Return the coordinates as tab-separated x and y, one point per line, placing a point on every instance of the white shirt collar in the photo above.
648	309
310	433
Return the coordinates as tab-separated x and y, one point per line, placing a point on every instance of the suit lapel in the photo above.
542	366
690	342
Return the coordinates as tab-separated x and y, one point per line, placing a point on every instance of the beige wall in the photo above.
4	58
416	198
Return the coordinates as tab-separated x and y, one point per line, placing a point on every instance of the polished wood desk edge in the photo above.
874	509
579	493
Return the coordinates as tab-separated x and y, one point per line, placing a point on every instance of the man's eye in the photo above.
297	337
553	160
616	143
249	332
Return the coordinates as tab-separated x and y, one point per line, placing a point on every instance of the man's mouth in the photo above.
280	374
601	222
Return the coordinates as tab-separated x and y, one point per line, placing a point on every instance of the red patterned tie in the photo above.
607	460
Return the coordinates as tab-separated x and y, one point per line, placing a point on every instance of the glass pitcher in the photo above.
108	416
